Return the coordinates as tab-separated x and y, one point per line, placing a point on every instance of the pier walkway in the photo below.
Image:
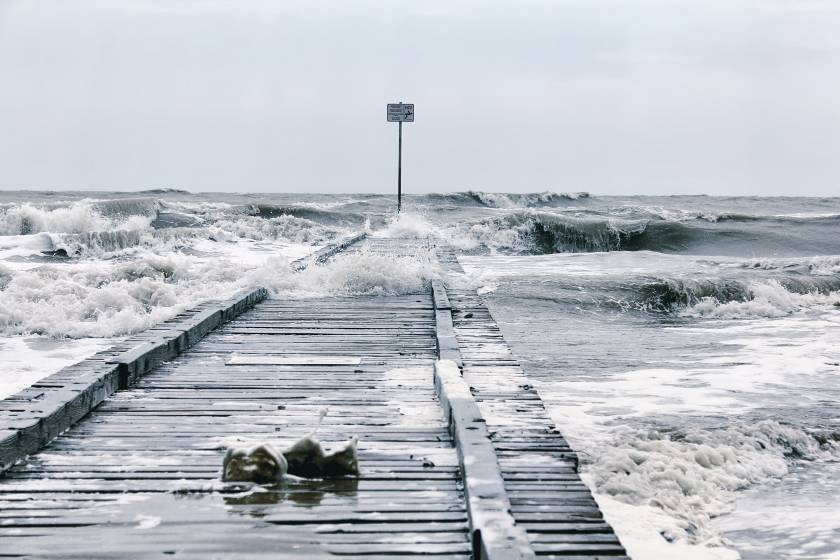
120	455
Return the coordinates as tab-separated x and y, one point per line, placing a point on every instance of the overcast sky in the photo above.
611	97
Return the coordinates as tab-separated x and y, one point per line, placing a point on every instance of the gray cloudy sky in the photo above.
641	96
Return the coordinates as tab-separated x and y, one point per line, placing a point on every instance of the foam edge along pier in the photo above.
495	534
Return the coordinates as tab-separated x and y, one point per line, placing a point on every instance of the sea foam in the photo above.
692	474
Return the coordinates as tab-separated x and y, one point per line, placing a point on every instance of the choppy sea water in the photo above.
686	346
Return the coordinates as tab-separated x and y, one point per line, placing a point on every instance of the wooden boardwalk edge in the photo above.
324	253
447	344
495	534
27	427
537	468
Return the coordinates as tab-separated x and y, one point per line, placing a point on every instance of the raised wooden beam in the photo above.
439	296
324	253
495	534
447	345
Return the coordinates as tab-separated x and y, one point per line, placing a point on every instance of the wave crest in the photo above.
542	233
78	217
311	213
732	298
504	200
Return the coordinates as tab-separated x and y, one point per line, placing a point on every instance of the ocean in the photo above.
686	345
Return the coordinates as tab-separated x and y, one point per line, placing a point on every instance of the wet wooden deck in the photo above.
139	475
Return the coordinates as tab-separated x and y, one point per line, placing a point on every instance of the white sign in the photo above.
400	112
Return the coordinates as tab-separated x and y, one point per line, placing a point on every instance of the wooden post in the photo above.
399	172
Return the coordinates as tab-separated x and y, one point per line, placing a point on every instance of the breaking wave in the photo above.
123	208
736	298
92	244
109	228
535	232
121	243
309	212
504	200
570	231
527	200
78	217
102	299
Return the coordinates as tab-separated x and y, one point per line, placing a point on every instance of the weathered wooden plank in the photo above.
441	300
447	345
318	359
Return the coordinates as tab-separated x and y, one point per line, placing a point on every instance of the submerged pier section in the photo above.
458	456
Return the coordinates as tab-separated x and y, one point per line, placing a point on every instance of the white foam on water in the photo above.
27	359
640	529
466	236
794	518
103	299
668	486
662	489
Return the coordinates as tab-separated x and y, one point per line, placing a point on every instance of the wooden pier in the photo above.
120	455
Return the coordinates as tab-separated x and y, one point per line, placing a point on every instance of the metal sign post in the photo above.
400	113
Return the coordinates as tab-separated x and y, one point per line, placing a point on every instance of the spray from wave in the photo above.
349	274
106	299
